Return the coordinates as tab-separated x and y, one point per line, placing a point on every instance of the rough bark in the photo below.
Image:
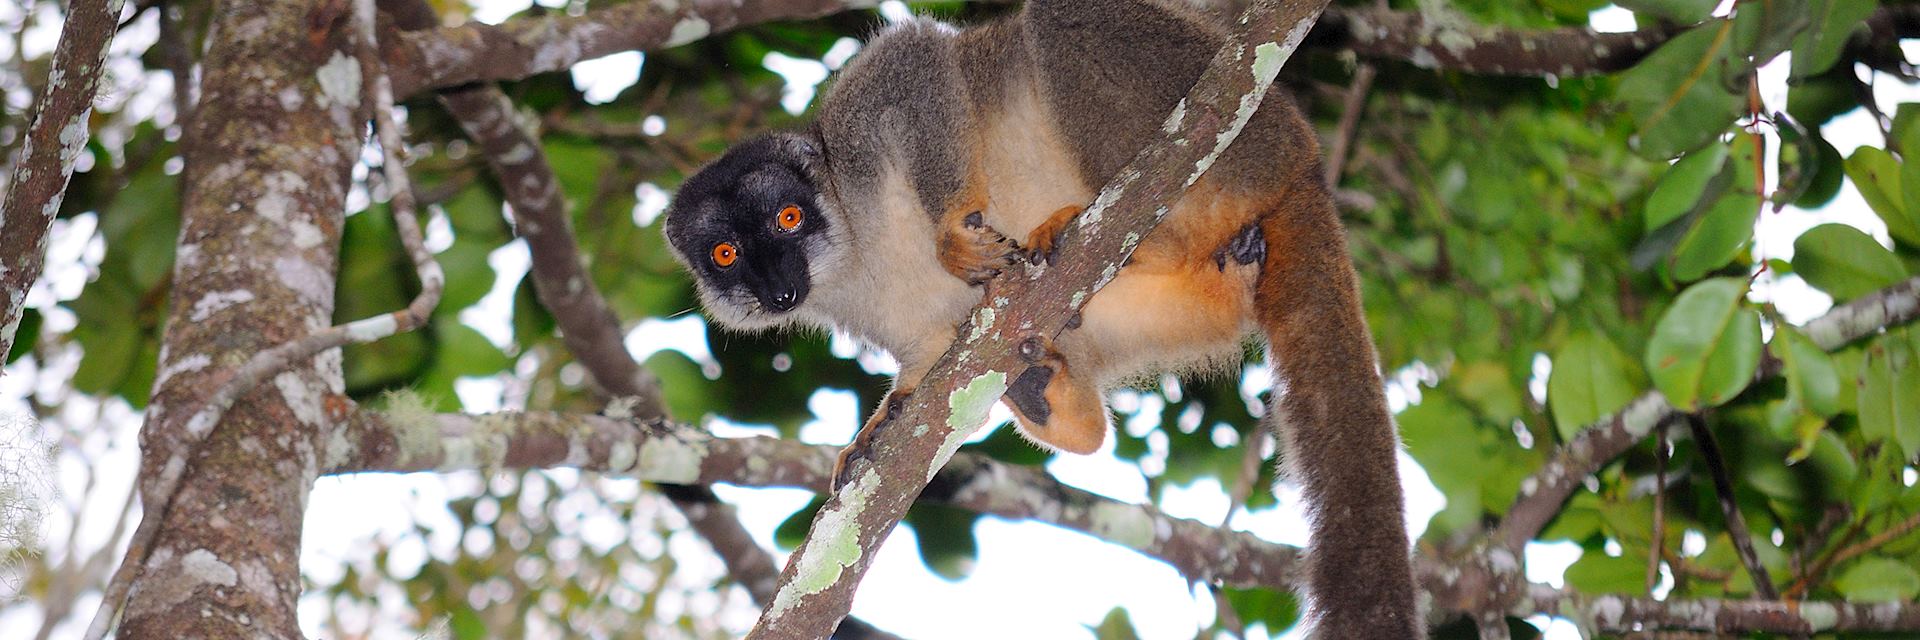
55	136
1620	615
890	466
260	224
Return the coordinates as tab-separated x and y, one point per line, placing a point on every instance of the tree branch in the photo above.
523	47
55	135
1617	614
1542	493
409	439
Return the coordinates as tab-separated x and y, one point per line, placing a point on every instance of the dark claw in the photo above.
1073	321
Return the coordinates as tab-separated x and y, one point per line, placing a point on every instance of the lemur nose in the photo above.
784	300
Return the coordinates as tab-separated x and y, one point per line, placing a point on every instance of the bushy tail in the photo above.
1339	438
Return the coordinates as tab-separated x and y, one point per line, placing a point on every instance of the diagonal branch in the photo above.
1542	493
889	468
54	137
1730	508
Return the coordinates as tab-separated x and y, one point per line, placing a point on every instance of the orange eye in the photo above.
790	218
724	254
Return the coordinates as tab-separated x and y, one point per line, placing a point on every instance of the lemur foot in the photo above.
1056	408
1247	247
1043	240
975	252
862	443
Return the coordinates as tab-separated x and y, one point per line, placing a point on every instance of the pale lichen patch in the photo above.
213	303
982	323
188	364
416	432
302	398
967	411
202	565
339	81
669	459
1121	524
833	545
1820	616
688	29
621	456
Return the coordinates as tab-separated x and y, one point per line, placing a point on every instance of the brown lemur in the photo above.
883	218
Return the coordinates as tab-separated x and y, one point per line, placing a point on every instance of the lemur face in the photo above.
749	226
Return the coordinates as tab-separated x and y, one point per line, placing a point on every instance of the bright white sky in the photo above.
1031	579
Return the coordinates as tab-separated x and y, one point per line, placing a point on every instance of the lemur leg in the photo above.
1056	408
863	440
1041	241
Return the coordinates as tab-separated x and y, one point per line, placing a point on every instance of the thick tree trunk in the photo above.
267	172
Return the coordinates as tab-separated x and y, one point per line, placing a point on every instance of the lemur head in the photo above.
753	229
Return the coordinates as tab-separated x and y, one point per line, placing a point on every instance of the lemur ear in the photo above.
805	147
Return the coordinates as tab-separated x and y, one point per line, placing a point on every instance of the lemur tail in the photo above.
1339	439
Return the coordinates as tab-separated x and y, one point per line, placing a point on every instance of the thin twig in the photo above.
1736	524
1351	107
1658	541
263	365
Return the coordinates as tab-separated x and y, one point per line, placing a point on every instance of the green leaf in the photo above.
1705	348
1683	185
1878	177
1591	378
1006	445
1833	22
1764	29
1596	572
1816	171
1677	11
945	537
1116	626
1276	609
24	336
1678	96
1813	383
1878	579
1716	237
1845	262
793	530
1816	100
1490	387
1890	393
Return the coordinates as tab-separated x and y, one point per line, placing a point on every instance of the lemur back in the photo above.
933	142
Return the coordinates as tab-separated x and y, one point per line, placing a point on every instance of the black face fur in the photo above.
736	205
